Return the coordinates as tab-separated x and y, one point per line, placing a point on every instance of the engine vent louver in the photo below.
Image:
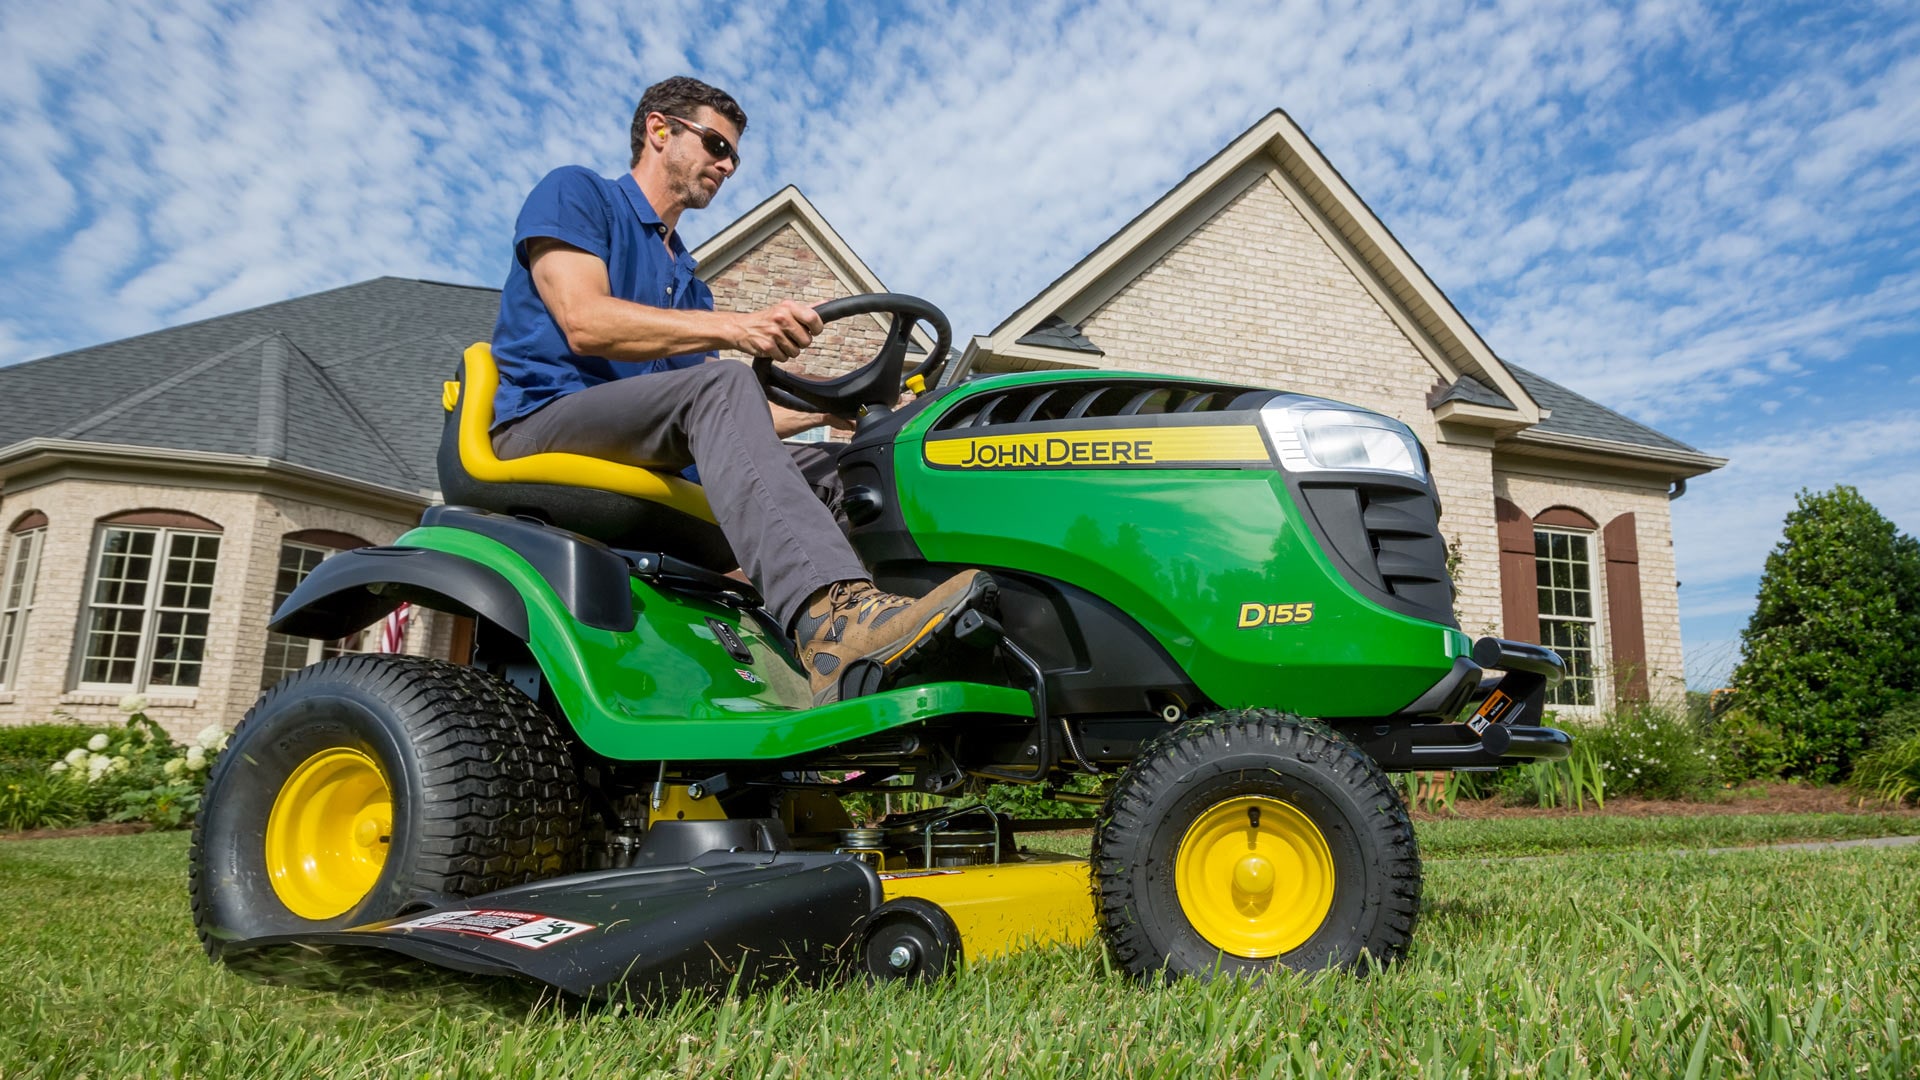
1098	398
1386	537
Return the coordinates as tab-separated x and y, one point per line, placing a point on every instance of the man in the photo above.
606	346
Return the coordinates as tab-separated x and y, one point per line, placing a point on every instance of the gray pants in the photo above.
772	500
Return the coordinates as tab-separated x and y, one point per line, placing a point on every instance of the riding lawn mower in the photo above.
1229	606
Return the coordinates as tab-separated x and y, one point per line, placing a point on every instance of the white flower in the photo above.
98	743
76	756
212	737
173	766
57	767
133	703
196	759
116	763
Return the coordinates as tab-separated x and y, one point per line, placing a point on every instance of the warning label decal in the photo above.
523	928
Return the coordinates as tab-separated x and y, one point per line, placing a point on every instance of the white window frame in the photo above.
151	610
16	598
1596	646
316	648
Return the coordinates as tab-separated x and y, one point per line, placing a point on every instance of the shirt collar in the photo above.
644	210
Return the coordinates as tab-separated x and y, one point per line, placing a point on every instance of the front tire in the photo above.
364	785
1252	840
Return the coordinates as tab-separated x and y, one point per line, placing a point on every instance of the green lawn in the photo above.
1640	963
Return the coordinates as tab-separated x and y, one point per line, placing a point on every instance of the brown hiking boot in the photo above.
852	621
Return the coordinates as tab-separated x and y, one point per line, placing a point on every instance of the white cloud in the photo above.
1724	528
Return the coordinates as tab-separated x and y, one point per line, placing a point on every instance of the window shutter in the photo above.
1626	629
1519	600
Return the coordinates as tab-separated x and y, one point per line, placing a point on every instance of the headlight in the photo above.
1313	435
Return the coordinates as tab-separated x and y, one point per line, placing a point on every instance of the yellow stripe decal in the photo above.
1105	448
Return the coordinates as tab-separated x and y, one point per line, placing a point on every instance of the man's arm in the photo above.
573	285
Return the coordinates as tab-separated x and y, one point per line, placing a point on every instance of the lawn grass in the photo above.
1767	963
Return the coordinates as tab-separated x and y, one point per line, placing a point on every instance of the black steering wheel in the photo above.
874	387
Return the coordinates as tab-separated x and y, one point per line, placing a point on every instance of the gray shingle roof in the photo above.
1576	415
346	381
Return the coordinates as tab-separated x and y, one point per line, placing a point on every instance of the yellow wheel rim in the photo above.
328	833
1254	877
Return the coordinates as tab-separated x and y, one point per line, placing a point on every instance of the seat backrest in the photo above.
618	504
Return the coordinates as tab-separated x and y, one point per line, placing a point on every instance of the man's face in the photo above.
693	174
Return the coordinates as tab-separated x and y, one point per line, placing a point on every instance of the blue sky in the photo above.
1705	216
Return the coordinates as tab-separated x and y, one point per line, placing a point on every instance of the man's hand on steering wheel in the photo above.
875	387
781	331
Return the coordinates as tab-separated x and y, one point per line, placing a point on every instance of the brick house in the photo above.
159	494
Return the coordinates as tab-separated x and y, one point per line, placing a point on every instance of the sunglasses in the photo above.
716	144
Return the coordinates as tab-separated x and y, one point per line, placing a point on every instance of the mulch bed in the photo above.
1770	797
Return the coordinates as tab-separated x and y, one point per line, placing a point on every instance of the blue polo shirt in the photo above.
610	219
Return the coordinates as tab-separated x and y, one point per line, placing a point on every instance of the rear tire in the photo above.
365	786
1249	841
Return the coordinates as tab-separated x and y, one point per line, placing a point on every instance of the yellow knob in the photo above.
917	384
1253	874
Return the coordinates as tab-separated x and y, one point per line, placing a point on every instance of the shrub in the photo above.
1834	640
1650	751
33	798
1890	771
133	772
40	743
1896	723
1747	748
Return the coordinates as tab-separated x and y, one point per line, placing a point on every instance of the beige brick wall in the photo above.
785	267
1257	296
252	525
1536	489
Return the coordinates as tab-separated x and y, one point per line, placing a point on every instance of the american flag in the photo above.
393	632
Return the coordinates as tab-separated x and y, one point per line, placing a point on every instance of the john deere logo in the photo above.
1252	615
1193	446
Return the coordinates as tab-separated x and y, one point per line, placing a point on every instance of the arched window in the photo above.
300	552
149	599
22	569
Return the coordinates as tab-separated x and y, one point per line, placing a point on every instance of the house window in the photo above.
147	608
16	599
287	654
1563	569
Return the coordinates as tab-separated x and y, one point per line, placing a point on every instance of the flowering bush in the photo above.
134	772
1652	752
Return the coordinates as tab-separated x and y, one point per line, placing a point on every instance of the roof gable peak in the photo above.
1276	148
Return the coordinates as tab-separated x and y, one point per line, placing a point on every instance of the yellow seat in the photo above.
482	378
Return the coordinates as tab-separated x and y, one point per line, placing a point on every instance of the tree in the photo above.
1834	642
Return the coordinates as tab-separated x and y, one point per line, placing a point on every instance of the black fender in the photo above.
353	589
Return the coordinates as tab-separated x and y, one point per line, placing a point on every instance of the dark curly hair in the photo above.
680	96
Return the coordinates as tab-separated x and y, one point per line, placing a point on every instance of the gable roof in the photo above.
1275	147
345	382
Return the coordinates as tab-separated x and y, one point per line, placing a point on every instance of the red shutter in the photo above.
1626	629
1519	598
